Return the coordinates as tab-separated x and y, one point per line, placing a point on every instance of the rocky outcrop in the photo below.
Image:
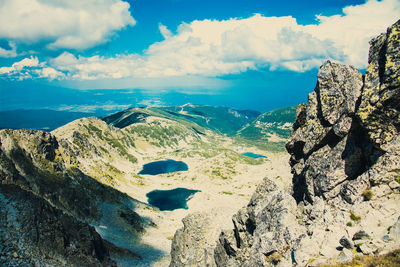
50	212
32	232
195	242
345	162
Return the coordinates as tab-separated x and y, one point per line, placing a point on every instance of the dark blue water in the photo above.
252	155
170	199
163	166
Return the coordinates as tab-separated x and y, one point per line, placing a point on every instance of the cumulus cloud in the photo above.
164	31
20	65
29	68
71	24
211	48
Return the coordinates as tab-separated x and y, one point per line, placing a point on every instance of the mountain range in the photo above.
75	196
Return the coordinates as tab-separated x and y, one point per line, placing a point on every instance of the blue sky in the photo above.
245	54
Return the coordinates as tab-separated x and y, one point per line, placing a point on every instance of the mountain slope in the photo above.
219	119
270	126
65	205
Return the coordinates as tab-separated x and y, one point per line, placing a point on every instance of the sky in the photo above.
80	55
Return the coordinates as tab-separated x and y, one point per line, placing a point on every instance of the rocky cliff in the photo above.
345	159
51	212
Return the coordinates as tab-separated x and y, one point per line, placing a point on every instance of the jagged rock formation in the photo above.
345	162
198	233
33	232
51	212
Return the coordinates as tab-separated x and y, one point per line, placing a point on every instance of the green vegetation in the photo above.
160	136
113	169
227	193
350	224
274	122
92	130
244	126
275	257
367	194
222	120
354	217
275	147
387	260
119	144
137	180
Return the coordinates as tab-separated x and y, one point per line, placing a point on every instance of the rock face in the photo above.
51	213
198	230
345	159
34	232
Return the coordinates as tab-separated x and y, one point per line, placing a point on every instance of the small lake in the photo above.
253	155
163	166
170	199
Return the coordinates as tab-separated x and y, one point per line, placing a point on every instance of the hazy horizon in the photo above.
258	55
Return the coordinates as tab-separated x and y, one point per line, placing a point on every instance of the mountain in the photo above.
38	119
78	186
271	126
345	190
222	120
52	213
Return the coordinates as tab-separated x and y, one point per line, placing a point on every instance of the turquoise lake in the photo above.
253	155
170	199
163	166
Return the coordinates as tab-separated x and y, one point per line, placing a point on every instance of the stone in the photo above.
346	243
339	88
368	248
394	233
194	243
386	238
379	112
361	235
394	185
381	190
343	126
345	255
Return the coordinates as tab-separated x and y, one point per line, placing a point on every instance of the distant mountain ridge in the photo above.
222	120
247	124
275	123
38	119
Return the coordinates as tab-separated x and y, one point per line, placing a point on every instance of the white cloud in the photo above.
29	68
164	31
71	24
9	52
20	65
211	48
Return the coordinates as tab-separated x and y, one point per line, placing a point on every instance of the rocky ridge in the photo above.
345	159
52	213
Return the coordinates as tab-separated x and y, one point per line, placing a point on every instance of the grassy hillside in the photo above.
222	120
276	122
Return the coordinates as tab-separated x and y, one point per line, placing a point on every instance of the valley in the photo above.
224	177
119	151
